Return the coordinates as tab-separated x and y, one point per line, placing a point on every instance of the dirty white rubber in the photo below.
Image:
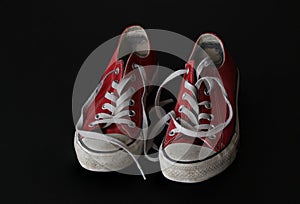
110	161
201	171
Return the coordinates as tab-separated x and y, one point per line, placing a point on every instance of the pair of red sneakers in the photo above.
202	136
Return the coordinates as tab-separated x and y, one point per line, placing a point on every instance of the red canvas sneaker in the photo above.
109	134
203	133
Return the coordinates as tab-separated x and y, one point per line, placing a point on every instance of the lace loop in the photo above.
191	127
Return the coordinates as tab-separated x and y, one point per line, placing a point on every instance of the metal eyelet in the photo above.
91	125
133	77
103	107
183	95
211	117
117	70
131	125
206	92
206	63
134	66
180	108
172	133
131	102
208	106
97	116
131	113
116	81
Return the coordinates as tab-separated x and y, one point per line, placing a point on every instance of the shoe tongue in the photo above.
197	56
128	62
125	60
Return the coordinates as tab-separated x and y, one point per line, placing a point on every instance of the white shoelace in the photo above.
192	127
118	111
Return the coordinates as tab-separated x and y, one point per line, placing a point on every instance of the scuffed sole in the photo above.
201	171
103	162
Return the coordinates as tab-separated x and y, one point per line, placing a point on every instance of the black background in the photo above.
263	39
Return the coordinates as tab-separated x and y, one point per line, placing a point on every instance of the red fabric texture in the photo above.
124	69
228	74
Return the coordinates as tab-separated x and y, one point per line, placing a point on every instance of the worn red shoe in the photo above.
109	132
203	133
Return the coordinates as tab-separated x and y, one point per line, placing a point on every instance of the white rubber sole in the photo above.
107	161
202	170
